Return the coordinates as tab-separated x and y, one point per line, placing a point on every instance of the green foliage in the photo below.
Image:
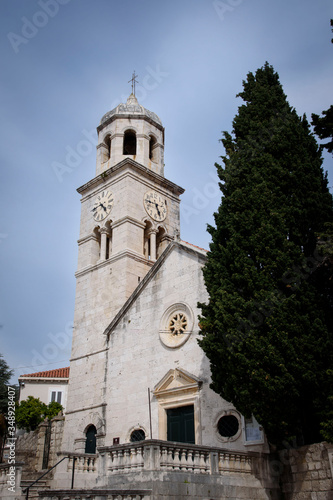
267	326
31	412
323	127
53	409
5	374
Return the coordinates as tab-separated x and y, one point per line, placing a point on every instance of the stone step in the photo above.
33	491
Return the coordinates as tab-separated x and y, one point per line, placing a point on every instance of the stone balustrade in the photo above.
168	456
84	462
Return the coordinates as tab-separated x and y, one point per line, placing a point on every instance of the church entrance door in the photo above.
180	424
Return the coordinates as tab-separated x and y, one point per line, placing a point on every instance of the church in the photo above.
141	420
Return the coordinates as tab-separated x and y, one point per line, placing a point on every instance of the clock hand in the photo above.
100	205
156	205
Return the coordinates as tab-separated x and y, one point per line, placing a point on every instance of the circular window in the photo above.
176	325
228	426
137	435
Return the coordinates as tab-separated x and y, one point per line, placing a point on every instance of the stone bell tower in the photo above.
129	214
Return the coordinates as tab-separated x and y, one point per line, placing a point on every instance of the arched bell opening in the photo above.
107	142
129	144
153	149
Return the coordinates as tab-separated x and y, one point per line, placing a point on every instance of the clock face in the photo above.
155	206
102	206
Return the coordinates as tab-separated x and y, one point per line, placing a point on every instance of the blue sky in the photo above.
67	62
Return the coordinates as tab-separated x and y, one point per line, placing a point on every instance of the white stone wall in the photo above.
110	388
138	360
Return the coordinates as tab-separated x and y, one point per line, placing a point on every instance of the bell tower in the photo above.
130	130
129	214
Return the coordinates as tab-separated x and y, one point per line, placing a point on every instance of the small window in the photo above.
129	147
228	426
56	396
91	439
253	430
137	435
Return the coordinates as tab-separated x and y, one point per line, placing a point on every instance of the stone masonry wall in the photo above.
30	446
307	473
26	447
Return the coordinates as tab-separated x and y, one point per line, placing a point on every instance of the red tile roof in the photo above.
195	246
57	373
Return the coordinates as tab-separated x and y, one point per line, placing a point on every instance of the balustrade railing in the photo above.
167	456
83	462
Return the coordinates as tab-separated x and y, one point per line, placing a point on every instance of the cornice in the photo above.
86	408
127	116
85	239
114	258
121	166
51	380
133	221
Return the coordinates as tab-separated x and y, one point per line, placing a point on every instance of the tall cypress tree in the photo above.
267	328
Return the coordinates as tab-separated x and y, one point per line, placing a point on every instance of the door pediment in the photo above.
176	381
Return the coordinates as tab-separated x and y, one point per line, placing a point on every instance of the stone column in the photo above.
152	237
104	235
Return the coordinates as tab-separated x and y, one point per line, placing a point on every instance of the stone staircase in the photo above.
29	478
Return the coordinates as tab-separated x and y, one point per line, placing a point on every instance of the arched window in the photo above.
137	435
107	141
91	439
152	149
129	147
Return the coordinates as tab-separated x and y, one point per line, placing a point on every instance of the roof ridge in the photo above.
192	245
138	289
54	373
159	262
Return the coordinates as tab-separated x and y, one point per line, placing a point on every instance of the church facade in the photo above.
140	413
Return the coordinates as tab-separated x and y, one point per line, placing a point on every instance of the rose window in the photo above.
178	324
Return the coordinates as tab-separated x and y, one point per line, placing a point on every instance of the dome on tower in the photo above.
133	108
